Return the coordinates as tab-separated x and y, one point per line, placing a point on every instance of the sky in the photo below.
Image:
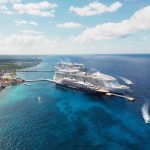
74	26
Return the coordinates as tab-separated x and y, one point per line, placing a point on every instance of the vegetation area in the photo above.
12	64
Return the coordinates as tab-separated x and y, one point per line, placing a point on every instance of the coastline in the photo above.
9	77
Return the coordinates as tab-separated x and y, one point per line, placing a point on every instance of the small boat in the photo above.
39	99
27	84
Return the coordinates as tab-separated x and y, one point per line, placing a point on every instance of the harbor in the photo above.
73	75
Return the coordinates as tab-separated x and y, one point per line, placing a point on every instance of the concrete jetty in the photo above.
35	70
129	98
42	79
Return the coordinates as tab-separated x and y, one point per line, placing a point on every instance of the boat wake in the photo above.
127	81
145	113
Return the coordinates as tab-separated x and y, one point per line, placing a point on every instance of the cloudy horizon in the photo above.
87	27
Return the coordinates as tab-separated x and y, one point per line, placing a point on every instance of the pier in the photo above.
129	98
42	79
35	70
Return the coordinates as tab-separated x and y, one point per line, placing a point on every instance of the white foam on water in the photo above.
126	80
145	113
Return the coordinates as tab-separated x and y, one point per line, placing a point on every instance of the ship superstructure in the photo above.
74	75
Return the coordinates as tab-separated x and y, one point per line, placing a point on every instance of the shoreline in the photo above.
9	77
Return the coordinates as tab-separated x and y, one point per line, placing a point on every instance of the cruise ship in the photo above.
75	75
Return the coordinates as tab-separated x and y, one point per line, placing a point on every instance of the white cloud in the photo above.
4	10
25	22
3	6
33	32
20	22
33	23
9	1
95	8
69	25
26	42
139	21
34	42
44	8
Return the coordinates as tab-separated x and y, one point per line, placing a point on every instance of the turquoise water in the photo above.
66	119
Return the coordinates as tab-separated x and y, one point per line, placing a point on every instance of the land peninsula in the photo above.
9	66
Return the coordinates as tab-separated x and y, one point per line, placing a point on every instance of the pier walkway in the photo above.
42	79
35	70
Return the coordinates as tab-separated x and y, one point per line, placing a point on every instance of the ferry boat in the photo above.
75	75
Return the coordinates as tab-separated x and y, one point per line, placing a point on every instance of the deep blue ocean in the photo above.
67	119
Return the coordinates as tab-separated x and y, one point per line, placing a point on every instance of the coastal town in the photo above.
8	68
9	79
